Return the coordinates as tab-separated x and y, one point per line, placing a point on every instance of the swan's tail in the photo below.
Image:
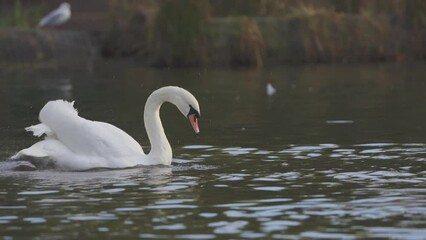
40	129
38	156
37	150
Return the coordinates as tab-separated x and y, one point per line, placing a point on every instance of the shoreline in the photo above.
227	42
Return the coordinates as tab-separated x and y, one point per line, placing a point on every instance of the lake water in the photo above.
338	152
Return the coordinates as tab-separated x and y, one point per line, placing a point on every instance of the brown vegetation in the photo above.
252	32
261	32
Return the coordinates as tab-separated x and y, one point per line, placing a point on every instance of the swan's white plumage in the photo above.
76	143
39	129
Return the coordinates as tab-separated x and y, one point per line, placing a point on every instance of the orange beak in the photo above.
193	119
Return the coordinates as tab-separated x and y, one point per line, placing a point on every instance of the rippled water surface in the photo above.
338	152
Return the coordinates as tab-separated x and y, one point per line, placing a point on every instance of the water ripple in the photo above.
226	227
397	233
88	217
372	190
37	192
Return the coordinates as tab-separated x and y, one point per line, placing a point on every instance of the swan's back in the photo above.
83	136
54	113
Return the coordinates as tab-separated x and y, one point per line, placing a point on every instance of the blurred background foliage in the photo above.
15	14
246	32
249	32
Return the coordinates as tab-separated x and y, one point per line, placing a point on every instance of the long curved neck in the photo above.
161	151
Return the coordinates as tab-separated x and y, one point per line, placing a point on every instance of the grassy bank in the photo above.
245	32
256	32
33	47
15	14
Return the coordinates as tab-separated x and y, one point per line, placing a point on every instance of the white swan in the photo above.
75	143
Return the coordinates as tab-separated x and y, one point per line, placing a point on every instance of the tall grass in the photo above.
178	31
186	32
251	43
20	16
127	28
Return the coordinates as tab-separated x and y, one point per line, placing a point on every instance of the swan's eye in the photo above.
193	111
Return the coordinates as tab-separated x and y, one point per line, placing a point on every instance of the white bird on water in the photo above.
57	17
270	90
75	143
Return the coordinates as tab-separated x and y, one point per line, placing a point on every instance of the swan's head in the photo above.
188	106
184	101
193	116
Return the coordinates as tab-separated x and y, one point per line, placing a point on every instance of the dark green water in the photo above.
339	152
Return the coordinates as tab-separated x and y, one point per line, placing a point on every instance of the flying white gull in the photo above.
57	17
